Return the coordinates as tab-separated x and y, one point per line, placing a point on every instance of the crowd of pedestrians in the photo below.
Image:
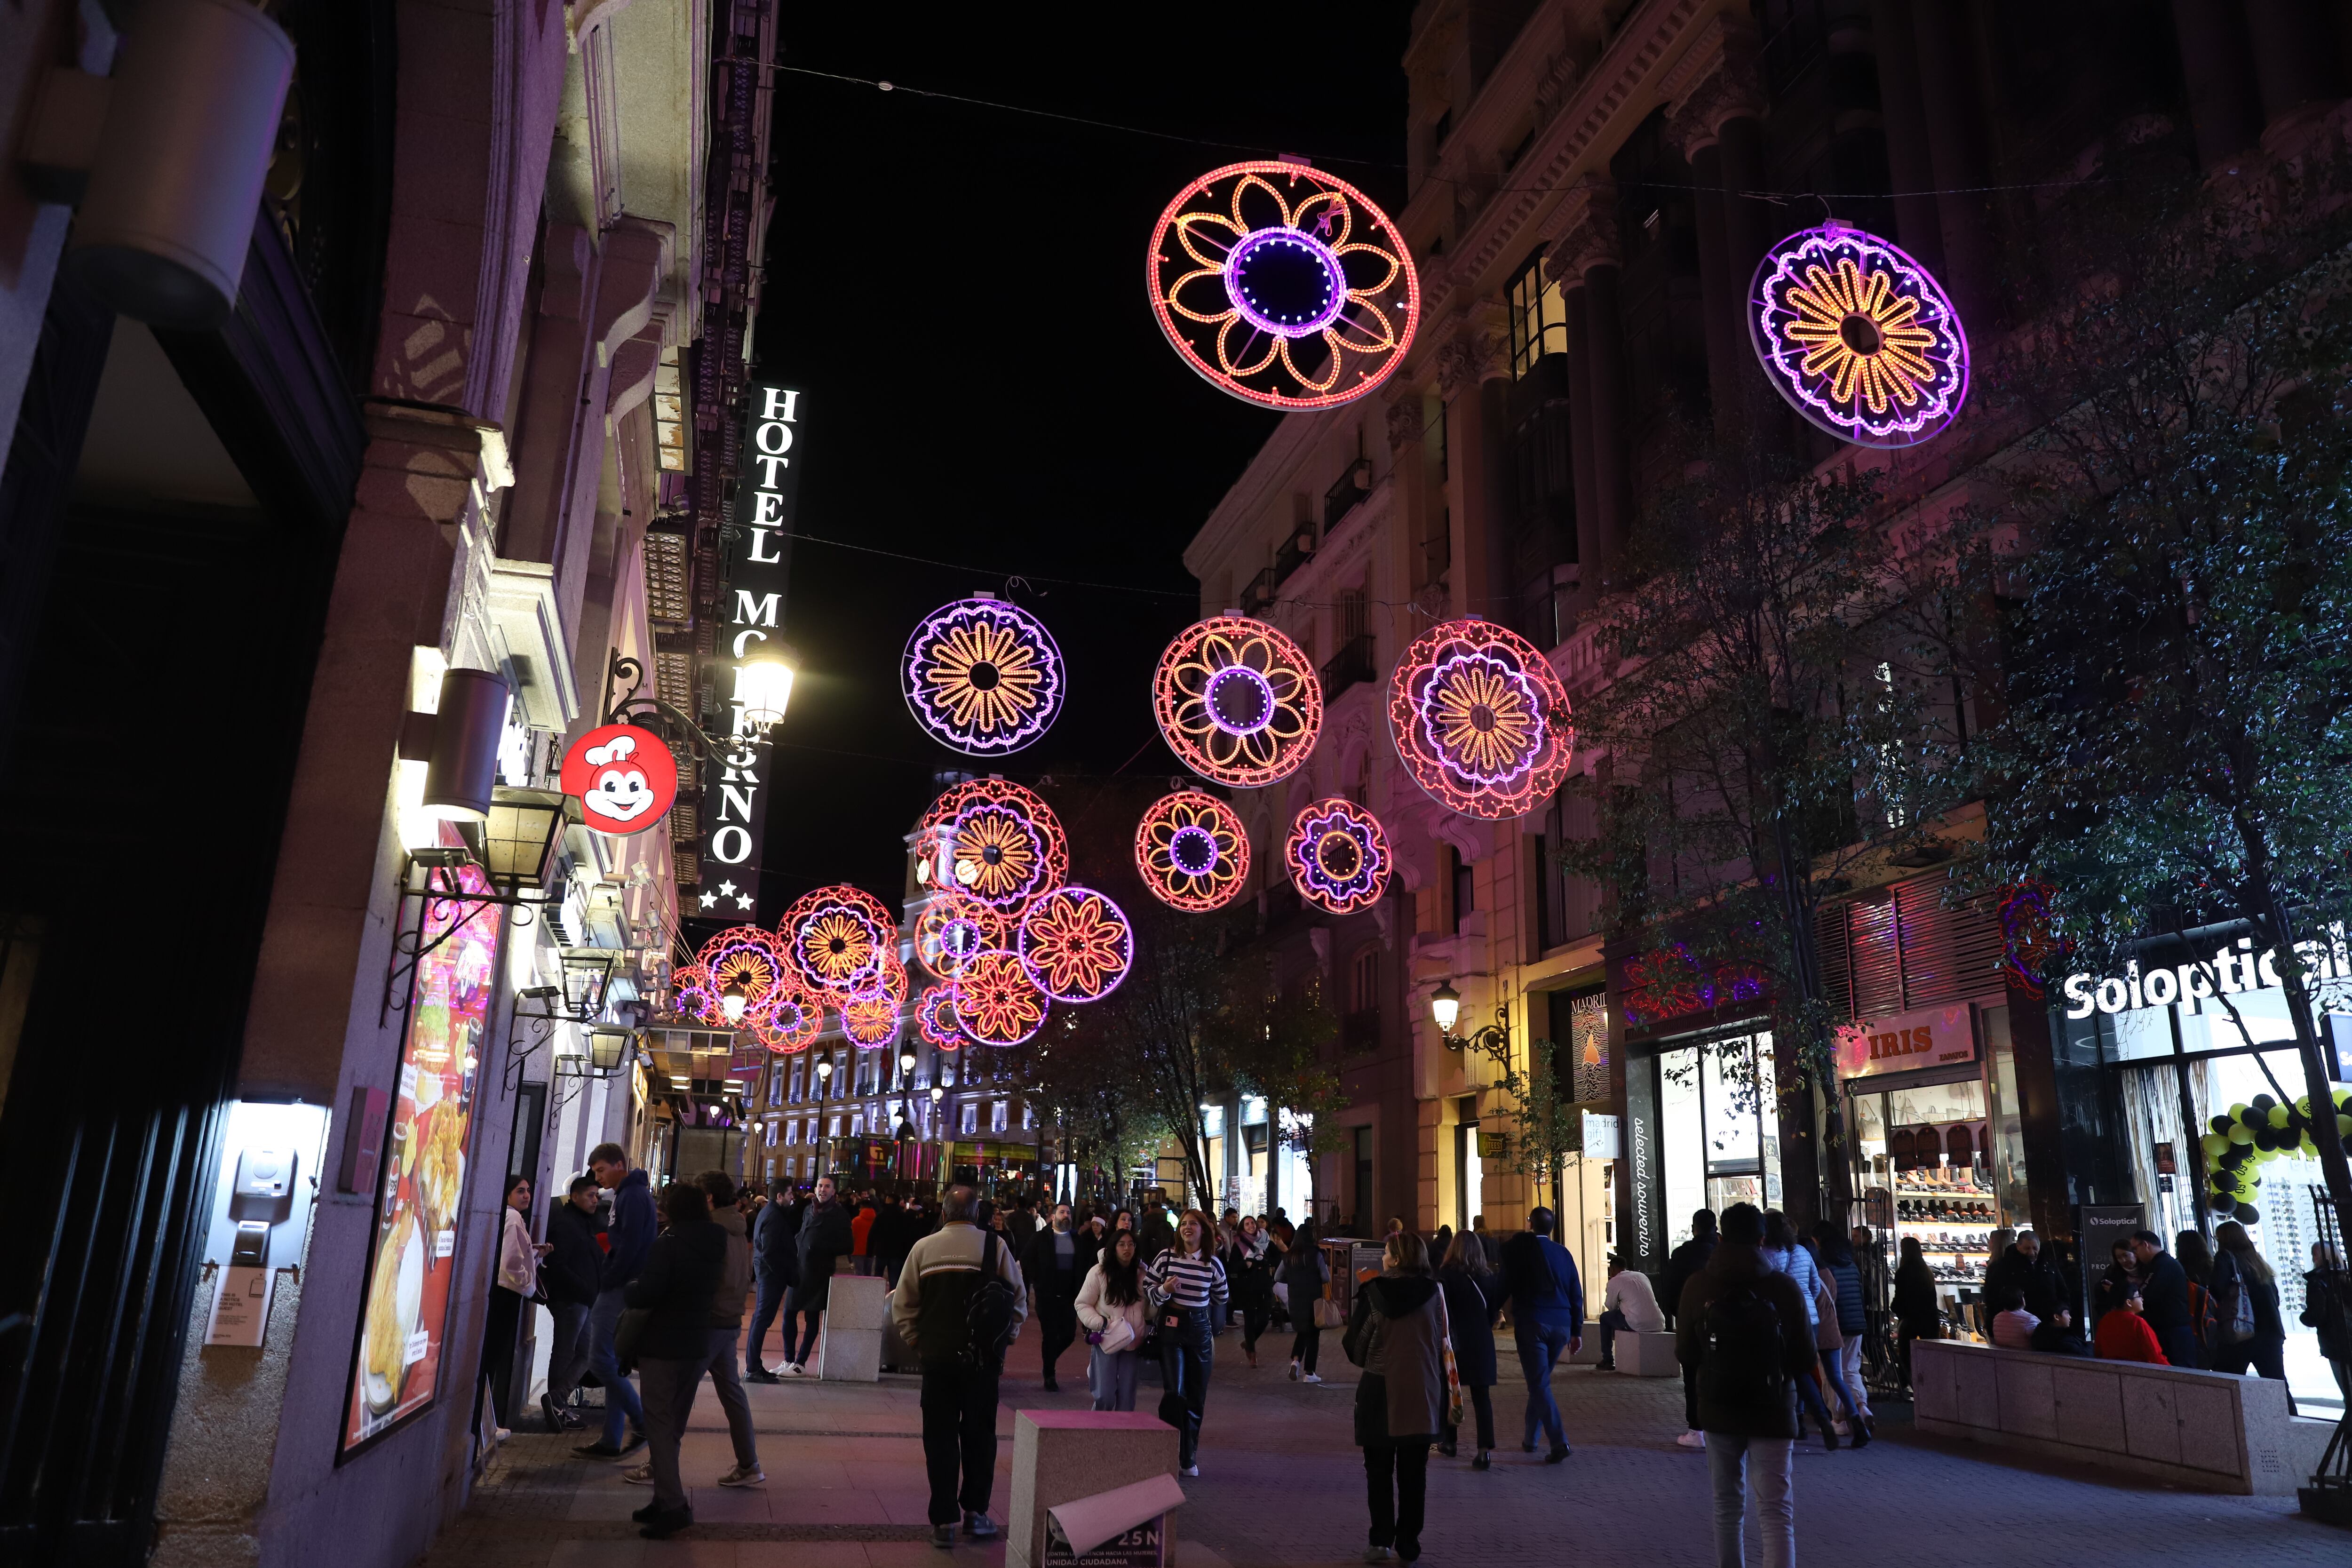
1771	1326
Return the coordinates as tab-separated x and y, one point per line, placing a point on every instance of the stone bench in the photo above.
1060	1456
2211	1431
1647	1355
849	1348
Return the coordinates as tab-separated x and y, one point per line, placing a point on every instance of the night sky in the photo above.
958	291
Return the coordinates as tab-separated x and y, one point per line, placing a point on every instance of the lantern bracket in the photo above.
625	704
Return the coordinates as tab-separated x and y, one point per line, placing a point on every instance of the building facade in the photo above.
384	498
1589	188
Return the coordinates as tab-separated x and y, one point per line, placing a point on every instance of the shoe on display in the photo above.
640	1475
980	1526
743	1475
1691	1440
662	1526
943	1537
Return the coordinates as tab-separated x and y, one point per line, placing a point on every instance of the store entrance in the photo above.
1924	1174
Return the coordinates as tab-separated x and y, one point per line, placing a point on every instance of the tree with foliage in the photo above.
1544	1124
2177	747
1765	730
1277	1041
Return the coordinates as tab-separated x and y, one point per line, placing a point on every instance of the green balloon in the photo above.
2214	1145
2279	1115
2241	1134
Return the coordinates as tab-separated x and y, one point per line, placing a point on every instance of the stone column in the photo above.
1719	300
1580	437
1909	162
2295	60
1471	377
1584	257
1943	34
2224	103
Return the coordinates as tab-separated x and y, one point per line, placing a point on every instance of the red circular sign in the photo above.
623	778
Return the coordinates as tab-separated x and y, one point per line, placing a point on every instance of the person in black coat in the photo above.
569	1273
676	1288
1684	1264
821	1241
2023	1268
775	1266
2163	1299
1055	1265
1743	1325
1473	1300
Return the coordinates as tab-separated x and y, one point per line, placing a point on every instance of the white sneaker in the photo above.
1691	1440
1192	1470
1311	1377
791	1369
1294	1370
505	1433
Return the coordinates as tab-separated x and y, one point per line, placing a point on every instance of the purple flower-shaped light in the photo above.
1337	855
1480	719
1858	337
1075	944
982	676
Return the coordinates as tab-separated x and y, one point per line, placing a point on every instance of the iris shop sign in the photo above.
759	570
1929	1038
2231	969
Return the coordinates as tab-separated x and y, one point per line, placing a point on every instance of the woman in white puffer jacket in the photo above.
1114	1315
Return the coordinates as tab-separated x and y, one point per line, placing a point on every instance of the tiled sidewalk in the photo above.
1281	1485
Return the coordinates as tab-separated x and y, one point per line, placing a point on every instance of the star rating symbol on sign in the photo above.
744	900
709	901
728	888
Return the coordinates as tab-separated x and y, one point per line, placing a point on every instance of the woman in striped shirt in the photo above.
1186	1282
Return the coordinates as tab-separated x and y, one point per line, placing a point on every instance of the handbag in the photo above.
1453	1372
628	1334
1826	1336
1118	1336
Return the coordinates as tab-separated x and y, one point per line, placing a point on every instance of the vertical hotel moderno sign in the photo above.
759	567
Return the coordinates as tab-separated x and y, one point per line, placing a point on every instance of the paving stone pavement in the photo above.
1282	1487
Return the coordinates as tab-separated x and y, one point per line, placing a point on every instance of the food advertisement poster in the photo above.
413	1260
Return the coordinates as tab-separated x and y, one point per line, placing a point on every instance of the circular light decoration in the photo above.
982	676
1480	719
996	1002
789	1020
871	1022
1237	700
1004	844
1075	944
836	937
623	777
935	1018
1193	850
744	959
693	996
888	978
1281	285
1858	337
952	928
1337	855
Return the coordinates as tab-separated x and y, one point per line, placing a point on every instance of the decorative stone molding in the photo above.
1715	82
1404	421
1477	352
1584	233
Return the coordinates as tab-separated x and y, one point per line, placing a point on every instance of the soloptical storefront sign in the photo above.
623	778
1929	1038
759	567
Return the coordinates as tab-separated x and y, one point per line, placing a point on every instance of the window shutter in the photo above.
1877	964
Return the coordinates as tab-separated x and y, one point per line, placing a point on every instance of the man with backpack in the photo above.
1742	1326
959	1303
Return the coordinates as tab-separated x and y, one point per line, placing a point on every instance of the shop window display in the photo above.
1925	1152
1721	1140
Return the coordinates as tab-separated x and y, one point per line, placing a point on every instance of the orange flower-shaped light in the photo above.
1192	852
1281	285
1004	844
982	676
935	1018
1480	719
836	938
996	1001
1075	944
743	959
871	1022
1237	700
1858	337
952	928
789	1021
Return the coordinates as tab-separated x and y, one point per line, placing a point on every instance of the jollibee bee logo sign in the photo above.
623	777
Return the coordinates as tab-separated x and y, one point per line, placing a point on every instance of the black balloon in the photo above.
2223	1124
2246	1214
2222	1203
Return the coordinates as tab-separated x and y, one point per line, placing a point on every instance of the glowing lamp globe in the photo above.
1445	1006
1858	337
763	688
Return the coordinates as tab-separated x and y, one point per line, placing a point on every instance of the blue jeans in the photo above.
1540	1344
620	1395
769	1302
1611	1320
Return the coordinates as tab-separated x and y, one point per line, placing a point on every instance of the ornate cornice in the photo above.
1583	232
1477	351
1404	421
1714	83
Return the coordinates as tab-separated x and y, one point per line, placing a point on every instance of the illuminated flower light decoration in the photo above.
871	1022
936	1020
996	1002
789	1021
1005	845
889	977
1337	855
691	994
1281	285
745	960
1075	944
1480	719
982	676
1192	852
1238	702
1858	337
836	937
952	928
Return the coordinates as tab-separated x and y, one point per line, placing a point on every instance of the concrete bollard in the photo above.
1060	1456
849	1348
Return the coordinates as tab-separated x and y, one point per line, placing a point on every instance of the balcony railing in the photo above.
1296	552
1352	487
1260	593
1350	665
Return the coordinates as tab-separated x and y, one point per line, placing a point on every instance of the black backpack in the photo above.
1746	1364
988	1312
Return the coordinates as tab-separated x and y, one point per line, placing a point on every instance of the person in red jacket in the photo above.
2123	1334
861	1231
